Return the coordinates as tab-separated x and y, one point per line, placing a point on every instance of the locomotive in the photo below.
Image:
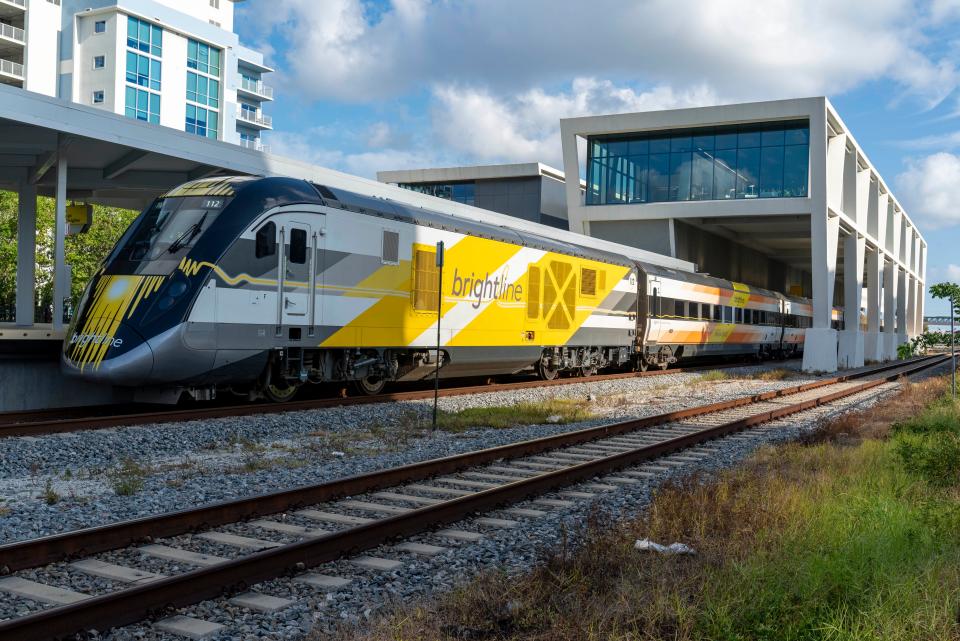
260	285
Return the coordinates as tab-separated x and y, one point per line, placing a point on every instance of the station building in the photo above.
773	194
530	191
176	63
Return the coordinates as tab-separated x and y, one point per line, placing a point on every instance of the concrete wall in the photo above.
42	53
651	235
38	384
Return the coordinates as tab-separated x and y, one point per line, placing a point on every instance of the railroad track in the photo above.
40	422
289	533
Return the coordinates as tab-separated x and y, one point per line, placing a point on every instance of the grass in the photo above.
841	537
712	376
500	417
778	374
129	478
49	495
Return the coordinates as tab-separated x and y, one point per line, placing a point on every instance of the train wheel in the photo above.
545	371
370	385
644	365
588	371
279	394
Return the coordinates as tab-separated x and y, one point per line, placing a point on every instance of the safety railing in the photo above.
11	68
255	118
12	33
256	87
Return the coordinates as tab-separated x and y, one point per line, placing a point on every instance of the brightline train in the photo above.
261	285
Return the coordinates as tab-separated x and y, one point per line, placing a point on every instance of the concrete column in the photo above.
61	277
820	345
851	352
902	295
26	253
872	341
889	310
910	305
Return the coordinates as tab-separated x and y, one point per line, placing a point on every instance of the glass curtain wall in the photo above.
757	160
458	192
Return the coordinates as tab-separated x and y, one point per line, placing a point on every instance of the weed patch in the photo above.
129	478
712	376
49	495
502	417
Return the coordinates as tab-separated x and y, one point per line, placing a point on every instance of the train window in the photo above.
533	293
652	310
298	246
694	310
718	313
588	282
390	248
748	316
266	243
727	314
426	280
679	309
705	311
738	315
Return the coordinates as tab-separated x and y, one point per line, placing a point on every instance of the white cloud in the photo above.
929	189
526	127
743	48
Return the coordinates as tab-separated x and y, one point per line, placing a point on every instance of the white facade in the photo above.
847	227
81	52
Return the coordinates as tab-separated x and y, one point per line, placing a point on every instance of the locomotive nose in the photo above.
112	353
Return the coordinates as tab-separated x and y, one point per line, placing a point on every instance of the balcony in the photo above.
10	70
256	145
10	33
12	8
256	89
255	119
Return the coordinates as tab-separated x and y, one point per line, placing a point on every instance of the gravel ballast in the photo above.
513	550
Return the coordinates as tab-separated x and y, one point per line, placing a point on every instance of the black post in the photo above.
436	376
953	352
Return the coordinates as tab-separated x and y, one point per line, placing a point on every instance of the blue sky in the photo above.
367	85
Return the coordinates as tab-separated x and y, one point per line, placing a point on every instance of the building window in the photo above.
144	36
98	97
203	58
99	62
758	160
458	192
143	71
215	4
100	26
202	122
203	90
143	105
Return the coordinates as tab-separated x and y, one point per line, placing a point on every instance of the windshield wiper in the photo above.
188	235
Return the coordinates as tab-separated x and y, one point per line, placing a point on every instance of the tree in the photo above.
950	291
83	252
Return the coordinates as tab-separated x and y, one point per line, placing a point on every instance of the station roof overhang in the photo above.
117	161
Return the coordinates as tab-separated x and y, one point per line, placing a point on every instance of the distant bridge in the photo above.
939	320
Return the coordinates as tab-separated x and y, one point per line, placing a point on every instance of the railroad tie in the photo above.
323	581
236	541
288	528
261	602
376	563
40	592
181	556
189	627
118	573
332	517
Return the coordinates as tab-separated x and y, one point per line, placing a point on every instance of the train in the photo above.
258	286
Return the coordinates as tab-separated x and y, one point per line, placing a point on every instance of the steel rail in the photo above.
134	604
22	555
35	423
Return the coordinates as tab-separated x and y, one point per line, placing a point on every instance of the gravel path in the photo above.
66	481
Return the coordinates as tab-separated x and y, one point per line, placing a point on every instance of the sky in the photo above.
368	85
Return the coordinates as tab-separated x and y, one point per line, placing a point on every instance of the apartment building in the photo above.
176	63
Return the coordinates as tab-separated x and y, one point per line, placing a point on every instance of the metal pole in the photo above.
953	352
436	375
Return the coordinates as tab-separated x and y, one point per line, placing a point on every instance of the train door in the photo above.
643	308
296	286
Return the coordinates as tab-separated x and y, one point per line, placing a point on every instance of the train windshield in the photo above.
164	234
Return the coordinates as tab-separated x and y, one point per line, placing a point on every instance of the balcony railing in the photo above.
257	87
11	68
255	144
255	118
17	3
12	33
